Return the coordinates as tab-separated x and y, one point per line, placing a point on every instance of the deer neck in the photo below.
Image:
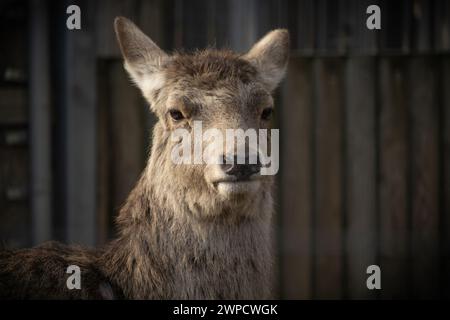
166	251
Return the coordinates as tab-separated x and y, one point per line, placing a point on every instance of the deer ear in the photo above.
270	56
142	56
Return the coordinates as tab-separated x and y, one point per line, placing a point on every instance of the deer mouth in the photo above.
234	180
229	187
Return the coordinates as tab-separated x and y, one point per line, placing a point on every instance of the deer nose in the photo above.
240	171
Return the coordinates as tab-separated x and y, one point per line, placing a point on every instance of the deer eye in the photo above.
176	115
267	113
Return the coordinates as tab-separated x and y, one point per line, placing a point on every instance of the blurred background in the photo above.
364	118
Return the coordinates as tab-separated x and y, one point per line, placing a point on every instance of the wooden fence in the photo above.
364	173
364	118
365	176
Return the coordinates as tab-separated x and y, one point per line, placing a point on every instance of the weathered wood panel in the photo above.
13	34
441	21
79	129
360	159
422	34
13	105
127	134
317	27
218	30
194	18
105	225
394	178
331	32
445	194
425	173
15	226
40	124
15	223
328	187
296	179
395	35
357	172
302	25
361	40
243	24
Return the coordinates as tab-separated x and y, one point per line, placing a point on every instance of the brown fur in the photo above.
179	237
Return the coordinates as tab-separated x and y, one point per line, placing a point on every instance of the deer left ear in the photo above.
270	56
142	56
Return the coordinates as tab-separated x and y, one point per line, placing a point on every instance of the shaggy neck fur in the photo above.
178	241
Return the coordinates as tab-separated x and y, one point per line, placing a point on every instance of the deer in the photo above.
186	231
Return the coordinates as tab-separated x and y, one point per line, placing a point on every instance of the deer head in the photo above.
201	99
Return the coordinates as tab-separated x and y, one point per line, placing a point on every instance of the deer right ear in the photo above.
270	56
142	56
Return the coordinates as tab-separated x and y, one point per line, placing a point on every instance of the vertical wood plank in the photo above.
13	106
394	171
361	221
425	178
104	220
15	219
395	37
296	177
243	24
422	37
178	23
219	19
127	117
14	26
79	128
361	40
40	126
331	29
195	24
446	176
328	233
302	25
442	26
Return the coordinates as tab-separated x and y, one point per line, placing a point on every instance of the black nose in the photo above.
241	171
